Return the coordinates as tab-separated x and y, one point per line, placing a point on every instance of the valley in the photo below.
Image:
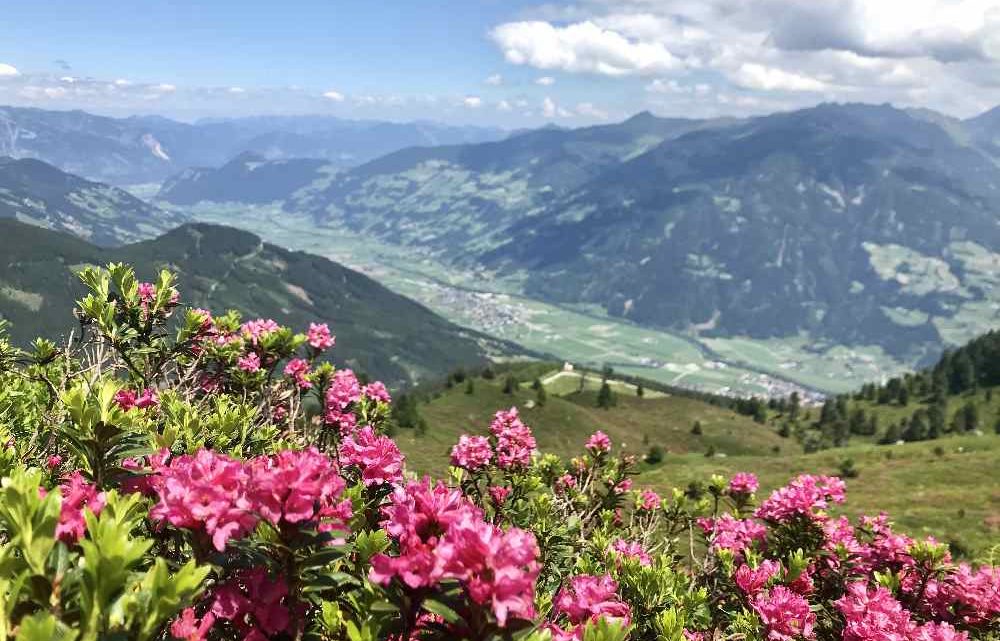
493	304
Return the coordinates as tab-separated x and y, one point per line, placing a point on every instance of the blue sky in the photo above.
506	62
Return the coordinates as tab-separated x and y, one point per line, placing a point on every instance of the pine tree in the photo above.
605	397
794	404
639	391
536	384
541	396
696	428
470	387
509	384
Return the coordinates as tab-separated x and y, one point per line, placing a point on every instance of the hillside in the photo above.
568	417
34	192
952	478
248	178
383	334
146	149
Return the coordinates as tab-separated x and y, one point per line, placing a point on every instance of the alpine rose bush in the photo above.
175	474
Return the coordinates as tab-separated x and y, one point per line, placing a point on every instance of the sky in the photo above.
508	63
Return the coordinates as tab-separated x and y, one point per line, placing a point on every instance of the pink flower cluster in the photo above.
729	533
254	330
319	336
225	497
586	599
471	452
599	442
253	603
376	391
441	535
376	456
249	363
753	580
343	392
804	496
127	399
515	444
631	550
648	500
77	496
874	614
785	614
743	484
298	370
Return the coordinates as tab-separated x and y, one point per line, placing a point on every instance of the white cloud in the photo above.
164	88
588	110
472	102
551	110
503	105
545	81
495	80
8	70
121	82
580	47
756	76
335	96
67	79
237	90
773	54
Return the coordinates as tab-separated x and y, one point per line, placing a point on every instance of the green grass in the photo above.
954	496
948	488
563	424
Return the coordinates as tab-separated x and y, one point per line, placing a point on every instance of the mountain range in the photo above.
35	192
144	149
845	223
380	333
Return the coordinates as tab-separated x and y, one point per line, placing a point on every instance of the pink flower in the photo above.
589	598
786	615
147	293
418	517
631	550
125	399
77	495
376	391
471	452
565	482
497	568
249	363
378	457
649	500
189	628
253	602
297	487
599	442
148	398
939	631
743	483
729	533
515	442
623	486
205	492
343	392
319	336
298	370
753	580
54	461
254	330
873	615
805	496
499	494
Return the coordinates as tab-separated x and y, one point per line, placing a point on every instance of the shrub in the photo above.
163	479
